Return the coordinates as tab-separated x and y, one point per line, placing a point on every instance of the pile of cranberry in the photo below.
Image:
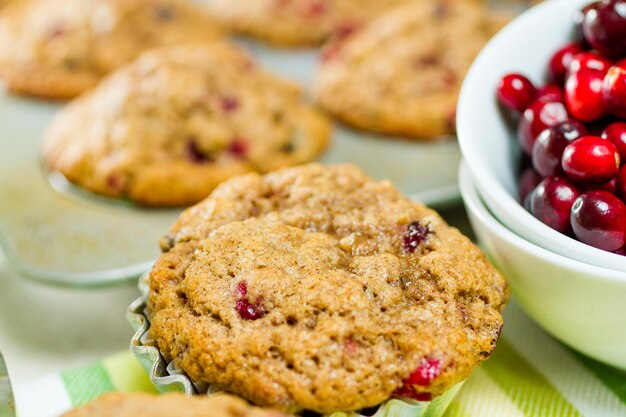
574	131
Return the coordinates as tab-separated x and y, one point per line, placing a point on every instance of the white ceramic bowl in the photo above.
580	304
489	145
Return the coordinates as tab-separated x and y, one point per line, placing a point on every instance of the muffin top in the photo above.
5	2
402	73
318	288
296	22
145	405
165	130
58	49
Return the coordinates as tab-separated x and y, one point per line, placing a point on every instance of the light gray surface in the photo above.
46	329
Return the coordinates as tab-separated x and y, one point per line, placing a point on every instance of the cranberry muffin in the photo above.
58	49
296	22
146	405
165	130
317	288
5	2
402	73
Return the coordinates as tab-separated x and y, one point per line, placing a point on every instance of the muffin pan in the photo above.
58	234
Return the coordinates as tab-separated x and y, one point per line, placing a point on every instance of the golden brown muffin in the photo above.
296	22
317	288
58	49
165	130
402	73
5	2
169	405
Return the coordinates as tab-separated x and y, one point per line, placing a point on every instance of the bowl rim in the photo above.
489	185
474	203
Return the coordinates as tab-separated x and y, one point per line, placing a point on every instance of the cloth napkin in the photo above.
529	375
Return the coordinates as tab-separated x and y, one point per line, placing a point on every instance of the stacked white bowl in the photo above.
576	292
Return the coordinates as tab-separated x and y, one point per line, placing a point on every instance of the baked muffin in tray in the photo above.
317	288
295	22
169	127
58	49
401	74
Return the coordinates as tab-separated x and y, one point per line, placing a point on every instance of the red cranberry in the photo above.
539	116
248	311
242	289
195	154
589	61
116	181
527	183
590	159
549	146
57	30
551	92
315	9
243	307
414	235
584	95
516	92
604	27
424	375
345	29
428	370
229	104
552	201
599	219
616	133
580	14
620	184
607	186
238	148
614	89
407	391
351	347
561	60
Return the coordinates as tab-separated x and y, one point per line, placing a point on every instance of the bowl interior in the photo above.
488	142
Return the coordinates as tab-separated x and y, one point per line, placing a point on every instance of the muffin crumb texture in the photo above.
296	22
58	49
318	288
169	127
402	73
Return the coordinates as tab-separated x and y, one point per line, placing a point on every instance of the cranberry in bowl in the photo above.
580	304
541	97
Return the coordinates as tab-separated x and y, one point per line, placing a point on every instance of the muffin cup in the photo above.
167	378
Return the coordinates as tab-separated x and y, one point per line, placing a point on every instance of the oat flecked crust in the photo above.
317	288
58	49
165	130
401	74
295	22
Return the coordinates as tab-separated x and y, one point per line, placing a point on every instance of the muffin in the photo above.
5	2
296	22
145	405
58	49
401	74
166	129
317	288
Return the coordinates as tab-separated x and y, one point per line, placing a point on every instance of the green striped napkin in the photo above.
529	375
